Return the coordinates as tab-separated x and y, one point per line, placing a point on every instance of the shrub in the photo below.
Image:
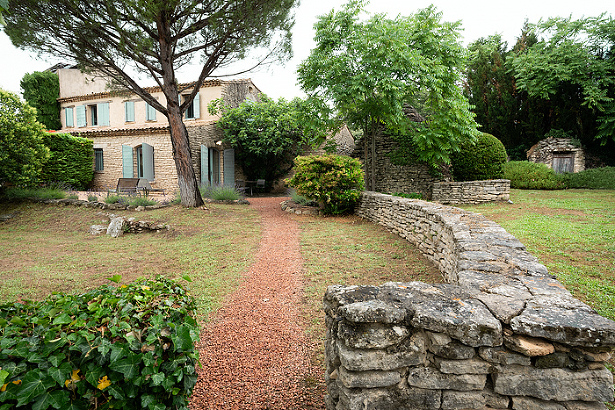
412	195
129	347
41	90
220	193
481	160
71	160
24	194
115	199
22	149
73	196
595	178
334	180
141	201
530	175
301	200
92	198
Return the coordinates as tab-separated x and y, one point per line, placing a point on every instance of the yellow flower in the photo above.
74	378
103	383
145	287
3	388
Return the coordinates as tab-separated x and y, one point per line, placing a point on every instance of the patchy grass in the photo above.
47	248
572	232
351	251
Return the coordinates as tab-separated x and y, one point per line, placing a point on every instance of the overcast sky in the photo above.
480	18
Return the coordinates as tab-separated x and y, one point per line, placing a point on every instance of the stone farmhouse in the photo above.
132	140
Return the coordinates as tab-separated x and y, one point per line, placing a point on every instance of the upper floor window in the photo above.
99	114
194	109
68	117
150	113
81	116
129	111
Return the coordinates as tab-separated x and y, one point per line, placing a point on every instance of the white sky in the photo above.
480	18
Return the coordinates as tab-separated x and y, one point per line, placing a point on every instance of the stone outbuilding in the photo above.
559	154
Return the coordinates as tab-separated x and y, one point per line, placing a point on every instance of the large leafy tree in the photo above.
371	70
22	151
573	66
267	135
155	38
41	90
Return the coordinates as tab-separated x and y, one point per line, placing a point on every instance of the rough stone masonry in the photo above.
502	334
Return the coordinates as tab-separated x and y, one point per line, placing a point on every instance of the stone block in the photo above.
554	384
369	379
502	356
468	321
457	400
442	345
411	352
430	378
529	346
528	403
370	335
389	399
467	366
372	311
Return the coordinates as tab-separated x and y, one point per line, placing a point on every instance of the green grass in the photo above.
572	232
47	248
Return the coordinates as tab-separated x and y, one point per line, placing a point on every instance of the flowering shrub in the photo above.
129	347
335	181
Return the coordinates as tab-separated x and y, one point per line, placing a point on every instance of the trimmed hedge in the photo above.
594	178
480	160
128	347
530	175
71	160
334	180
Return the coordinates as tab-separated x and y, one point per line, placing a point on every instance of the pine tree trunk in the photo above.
186	178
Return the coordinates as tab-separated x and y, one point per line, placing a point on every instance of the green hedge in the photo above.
334	180
480	160
71	161
595	178
530	175
128	347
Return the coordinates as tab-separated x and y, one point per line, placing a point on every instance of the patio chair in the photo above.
260	184
145	187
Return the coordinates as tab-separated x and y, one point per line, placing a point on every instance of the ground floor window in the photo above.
99	163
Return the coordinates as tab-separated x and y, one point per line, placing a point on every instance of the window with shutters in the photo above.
129	111
81	116
99	114
68	117
93	109
193	110
99	164
150	113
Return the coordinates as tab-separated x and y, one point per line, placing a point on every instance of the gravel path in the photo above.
254	352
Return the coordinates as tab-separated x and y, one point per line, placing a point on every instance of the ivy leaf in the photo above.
57	399
60	374
63	319
187	278
182	339
157	379
3	375
128	366
32	385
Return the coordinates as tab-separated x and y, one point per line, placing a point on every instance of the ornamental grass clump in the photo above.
128	347
336	181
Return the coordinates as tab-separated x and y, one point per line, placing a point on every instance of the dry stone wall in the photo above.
471	192
502	334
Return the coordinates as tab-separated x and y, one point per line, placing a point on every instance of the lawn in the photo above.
572	232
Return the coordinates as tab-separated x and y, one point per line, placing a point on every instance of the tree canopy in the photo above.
154	38
22	151
267	135
577	55
370	70
41	90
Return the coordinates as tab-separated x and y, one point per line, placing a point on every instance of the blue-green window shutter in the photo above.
127	162
196	104
148	161
204	165
150	113
229	167
68	115
81	116
129	111
103	113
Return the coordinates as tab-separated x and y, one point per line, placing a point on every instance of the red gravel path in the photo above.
254	352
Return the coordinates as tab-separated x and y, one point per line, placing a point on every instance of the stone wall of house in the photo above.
381	175
544	151
471	192
503	333
164	166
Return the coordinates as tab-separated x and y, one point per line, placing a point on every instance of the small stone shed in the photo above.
559	154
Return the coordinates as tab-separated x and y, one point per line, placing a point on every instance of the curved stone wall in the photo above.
503	333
